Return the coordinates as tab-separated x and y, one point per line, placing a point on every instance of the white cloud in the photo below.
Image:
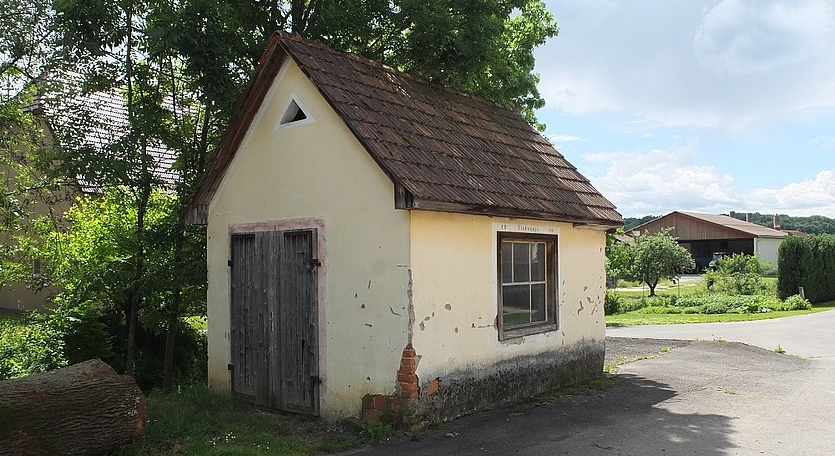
661	181
560	140
753	36
823	142
707	63
809	197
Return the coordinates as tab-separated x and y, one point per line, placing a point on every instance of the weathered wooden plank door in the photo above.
296	360
248	311
274	319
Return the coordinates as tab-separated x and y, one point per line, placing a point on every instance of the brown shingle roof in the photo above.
443	150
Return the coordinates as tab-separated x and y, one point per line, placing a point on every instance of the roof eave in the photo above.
463	208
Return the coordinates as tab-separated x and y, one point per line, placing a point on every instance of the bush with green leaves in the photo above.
29	347
737	274
794	302
661	310
611	303
95	261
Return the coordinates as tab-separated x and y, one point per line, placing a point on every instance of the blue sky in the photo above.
698	105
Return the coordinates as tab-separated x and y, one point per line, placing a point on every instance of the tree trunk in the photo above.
80	409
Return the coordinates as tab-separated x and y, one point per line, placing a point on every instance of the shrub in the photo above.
716	307
27	348
767	302
692	310
611	303
807	262
628	304
86	332
794	302
657	301
738	274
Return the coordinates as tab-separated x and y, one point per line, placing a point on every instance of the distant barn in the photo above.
706	236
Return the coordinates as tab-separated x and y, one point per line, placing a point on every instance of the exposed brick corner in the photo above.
407	381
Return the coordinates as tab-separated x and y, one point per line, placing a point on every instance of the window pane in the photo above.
521	255
538	262
507	262
516	304
538	302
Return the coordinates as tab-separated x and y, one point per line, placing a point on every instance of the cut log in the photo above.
85	408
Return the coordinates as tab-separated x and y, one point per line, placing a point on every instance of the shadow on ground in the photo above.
624	419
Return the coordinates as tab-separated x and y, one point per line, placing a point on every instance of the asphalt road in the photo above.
708	389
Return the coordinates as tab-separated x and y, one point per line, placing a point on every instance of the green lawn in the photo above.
199	422
637	318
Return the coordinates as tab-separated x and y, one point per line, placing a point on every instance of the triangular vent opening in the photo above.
293	113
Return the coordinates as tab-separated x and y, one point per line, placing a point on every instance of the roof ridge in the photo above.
298	38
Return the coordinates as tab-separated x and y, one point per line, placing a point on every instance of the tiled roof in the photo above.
442	149
104	120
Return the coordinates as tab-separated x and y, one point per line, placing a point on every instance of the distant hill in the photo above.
632	222
815	224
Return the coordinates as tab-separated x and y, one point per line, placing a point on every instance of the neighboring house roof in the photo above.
797	233
729	224
110	122
103	118
442	149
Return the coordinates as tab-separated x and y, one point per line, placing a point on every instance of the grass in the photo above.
637	318
199	422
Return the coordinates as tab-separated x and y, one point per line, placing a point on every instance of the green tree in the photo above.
484	47
94	262
619	256
115	59
658	256
179	65
27	51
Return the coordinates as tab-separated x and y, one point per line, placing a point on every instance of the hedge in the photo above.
807	262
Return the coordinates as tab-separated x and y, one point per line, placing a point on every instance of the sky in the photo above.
698	105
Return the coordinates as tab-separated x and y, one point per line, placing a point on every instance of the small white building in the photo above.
374	238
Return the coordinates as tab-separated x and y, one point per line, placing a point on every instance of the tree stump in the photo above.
80	409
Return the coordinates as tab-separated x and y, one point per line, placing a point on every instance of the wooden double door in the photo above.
274	319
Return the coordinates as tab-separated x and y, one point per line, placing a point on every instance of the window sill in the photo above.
518	332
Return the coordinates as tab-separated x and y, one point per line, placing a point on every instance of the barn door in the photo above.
274	319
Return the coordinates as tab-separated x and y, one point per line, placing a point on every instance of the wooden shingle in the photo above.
443	150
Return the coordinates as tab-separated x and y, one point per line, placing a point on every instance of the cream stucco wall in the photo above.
454	268
314	174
